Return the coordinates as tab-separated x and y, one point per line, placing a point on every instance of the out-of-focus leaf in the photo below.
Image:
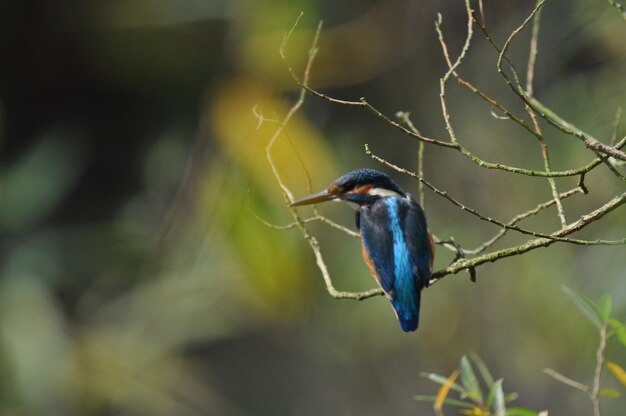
491	395
470	382
260	257
585	306
493	391
619	6
448	401
442	380
620	330
617	371
35	186
566	380
476	411
483	370
605	305
244	139
520	411
606	392
510	397
444	390
36	348
499	407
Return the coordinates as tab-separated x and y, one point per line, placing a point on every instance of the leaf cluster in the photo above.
477	396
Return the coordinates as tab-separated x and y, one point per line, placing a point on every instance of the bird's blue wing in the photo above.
377	240
418	242
397	249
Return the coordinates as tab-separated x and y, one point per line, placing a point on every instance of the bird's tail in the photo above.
408	312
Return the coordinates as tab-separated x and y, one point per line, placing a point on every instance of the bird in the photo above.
395	242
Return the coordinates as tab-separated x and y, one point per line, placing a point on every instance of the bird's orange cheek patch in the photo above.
363	190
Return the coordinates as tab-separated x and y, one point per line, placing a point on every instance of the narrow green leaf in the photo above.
520	411
586	306
443	380
499	407
482	369
491	395
510	397
469	381
605	305
606	392
449	401
620	330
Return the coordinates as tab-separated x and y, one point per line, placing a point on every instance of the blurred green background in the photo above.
135	279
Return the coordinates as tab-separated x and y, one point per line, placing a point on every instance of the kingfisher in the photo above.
395	242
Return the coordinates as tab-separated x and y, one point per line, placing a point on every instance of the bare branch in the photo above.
550	116
595	391
604	154
530	74
404	116
536	243
554	236
300	223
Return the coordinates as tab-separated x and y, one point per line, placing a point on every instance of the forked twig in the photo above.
466	259
300	223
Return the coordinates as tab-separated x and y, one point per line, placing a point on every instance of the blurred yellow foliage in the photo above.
244	116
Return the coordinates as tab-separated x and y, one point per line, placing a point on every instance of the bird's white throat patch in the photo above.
382	192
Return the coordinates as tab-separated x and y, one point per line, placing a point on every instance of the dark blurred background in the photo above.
135	278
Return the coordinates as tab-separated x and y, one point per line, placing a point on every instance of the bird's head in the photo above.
361	186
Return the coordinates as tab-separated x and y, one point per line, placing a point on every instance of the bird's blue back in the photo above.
395	239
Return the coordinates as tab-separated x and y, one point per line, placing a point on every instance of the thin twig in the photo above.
301	224
405	117
530	75
554	236
566	380
522	216
444	80
362	102
598	372
545	113
461	263
532	244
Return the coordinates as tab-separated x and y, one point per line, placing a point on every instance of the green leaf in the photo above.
604	307
510	397
493	393
619	6
609	393
520	411
499	407
586	306
38	182
451	402
620	330
482	369
443	380
469	381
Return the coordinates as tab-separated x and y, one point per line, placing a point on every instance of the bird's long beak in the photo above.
314	199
